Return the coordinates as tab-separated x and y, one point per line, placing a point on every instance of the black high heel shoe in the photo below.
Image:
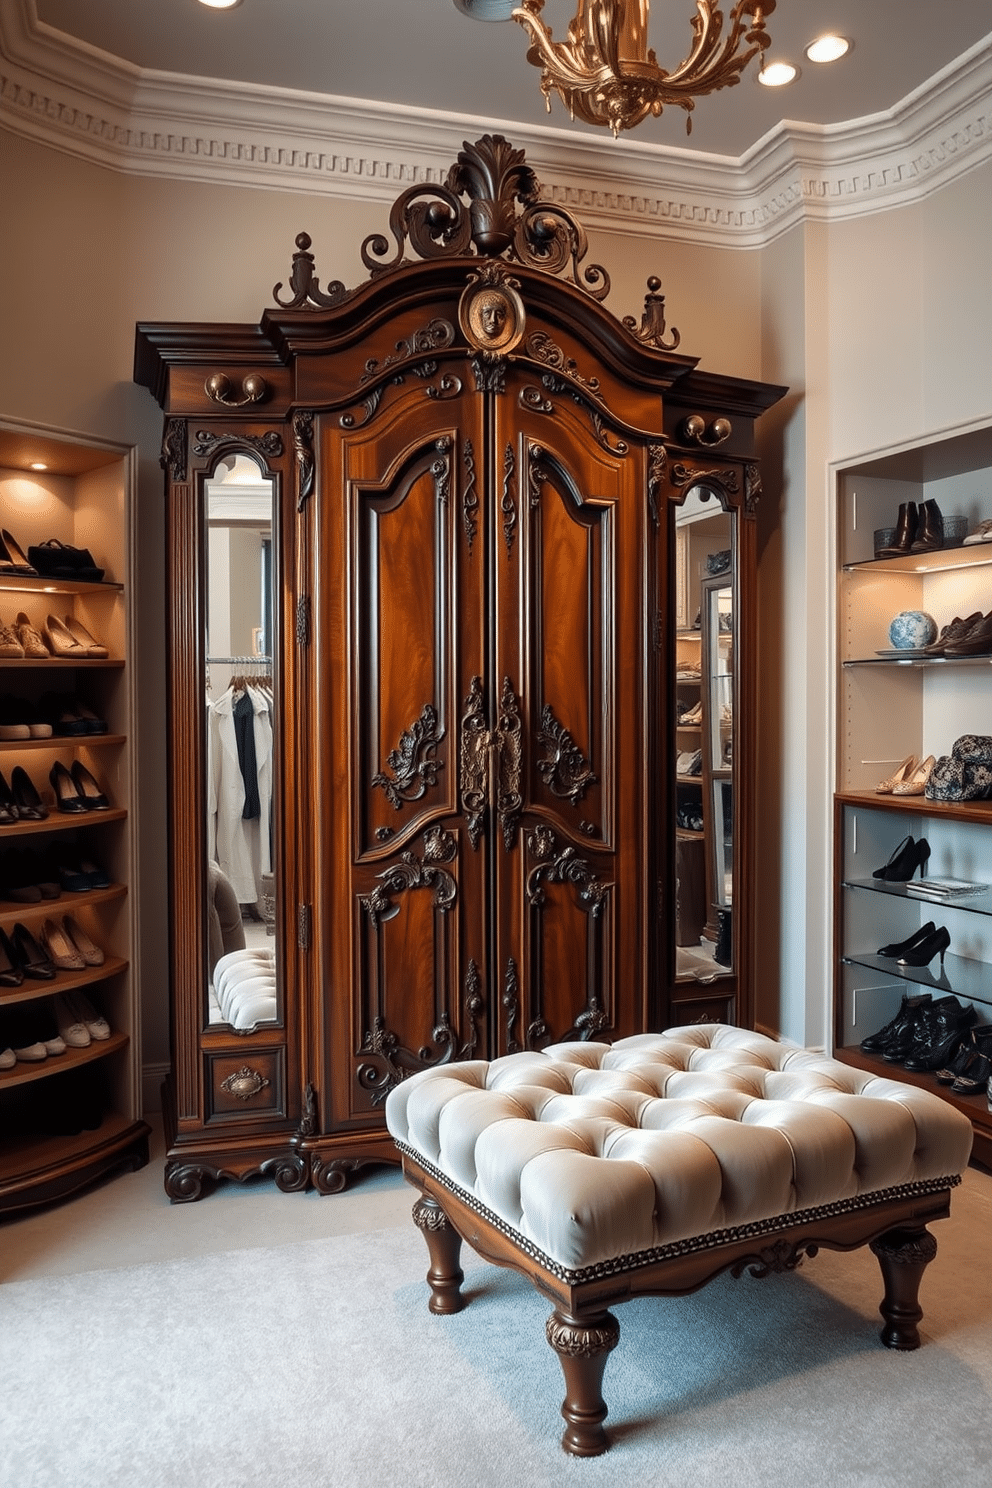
68	797
30	957
93	797
11	974
29	804
923	954
898	947
9	813
906	858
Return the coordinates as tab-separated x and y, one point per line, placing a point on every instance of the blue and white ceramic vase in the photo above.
911	629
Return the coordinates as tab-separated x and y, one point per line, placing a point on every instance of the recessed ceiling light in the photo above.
38	465
777	74
828	48
221	4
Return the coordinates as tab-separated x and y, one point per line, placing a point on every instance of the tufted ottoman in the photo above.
605	1172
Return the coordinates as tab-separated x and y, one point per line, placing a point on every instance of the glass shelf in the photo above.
963	978
978	903
940	561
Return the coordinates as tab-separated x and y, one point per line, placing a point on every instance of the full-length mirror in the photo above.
240	705
703	714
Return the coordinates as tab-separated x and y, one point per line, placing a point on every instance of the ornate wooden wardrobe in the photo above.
475	472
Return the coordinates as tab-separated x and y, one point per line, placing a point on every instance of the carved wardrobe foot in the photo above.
903	1255
583	1346
444	1243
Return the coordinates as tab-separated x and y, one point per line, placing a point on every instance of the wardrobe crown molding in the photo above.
72	97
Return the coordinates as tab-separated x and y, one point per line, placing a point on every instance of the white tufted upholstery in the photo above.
594	1151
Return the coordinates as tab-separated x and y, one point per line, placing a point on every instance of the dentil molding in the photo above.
72	97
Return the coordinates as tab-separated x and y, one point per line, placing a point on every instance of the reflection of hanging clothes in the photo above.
242	847
244	733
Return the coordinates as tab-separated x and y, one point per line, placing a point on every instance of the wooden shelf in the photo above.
25	584
62	741
49	663
36	1169
62	821
56	1064
979	812
64	981
67	903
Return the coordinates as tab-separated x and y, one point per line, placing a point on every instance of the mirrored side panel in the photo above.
702	716
240	747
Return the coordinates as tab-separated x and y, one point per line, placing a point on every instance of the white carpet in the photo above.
317	1364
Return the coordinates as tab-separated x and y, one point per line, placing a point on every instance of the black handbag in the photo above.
58	560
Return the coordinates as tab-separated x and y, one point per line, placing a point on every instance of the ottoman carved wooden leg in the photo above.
444	1243
583	1346
903	1255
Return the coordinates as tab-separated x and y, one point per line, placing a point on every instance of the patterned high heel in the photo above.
904	772
917	782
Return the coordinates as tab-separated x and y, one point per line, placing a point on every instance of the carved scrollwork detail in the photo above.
332	1177
579	1341
184	1181
448	386
508	500
652	327
269	444
220	389
303	449
533	399
489	374
473	780
774	1259
244	1083
496	179
563	376
752	489
591	1021
474	1005
441	469
412	872
308	1121
565	770
435	336
657	471
509	764
307	294
537	471
554	866
291	1171
681	476
696	430
392	1063
511	1005
175	449
413	763
470	496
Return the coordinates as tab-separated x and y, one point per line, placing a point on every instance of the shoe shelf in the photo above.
65	1163
64	981
37	910
25	584
83	497
57	1064
51	663
61	742
67	822
890	706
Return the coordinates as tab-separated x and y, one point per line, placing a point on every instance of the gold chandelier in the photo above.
605	72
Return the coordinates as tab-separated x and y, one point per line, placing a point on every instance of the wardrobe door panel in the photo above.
571	881
405	891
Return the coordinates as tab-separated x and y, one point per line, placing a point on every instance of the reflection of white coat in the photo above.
241	848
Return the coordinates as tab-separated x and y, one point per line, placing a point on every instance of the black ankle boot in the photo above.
905	1020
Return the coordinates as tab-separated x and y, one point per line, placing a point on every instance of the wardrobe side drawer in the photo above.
248	1083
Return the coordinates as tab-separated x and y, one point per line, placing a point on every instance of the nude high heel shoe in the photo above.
917	782
905	772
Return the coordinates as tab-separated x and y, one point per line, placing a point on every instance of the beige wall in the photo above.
881	327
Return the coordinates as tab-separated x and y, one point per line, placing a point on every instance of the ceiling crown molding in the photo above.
74	98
